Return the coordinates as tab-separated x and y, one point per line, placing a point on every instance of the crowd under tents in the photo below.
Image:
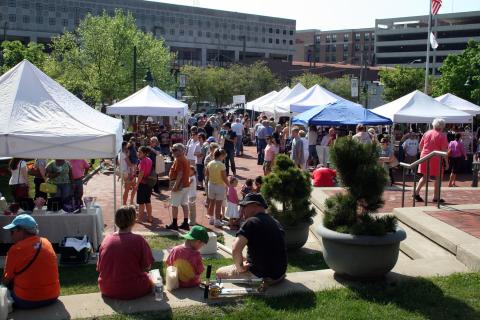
149	102
458	103
41	119
338	113
417	107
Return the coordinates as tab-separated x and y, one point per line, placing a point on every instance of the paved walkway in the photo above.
101	186
465	220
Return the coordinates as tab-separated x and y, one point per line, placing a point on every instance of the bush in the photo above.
364	179
289	186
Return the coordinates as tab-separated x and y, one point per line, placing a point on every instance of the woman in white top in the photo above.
19	179
127	172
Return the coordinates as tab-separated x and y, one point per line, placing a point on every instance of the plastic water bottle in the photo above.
159	289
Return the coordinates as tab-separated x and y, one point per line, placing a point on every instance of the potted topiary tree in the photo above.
287	191
357	242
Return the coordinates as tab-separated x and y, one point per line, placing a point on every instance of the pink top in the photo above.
122	261
270	151
145	166
232	195
433	140
78	168
457	149
189	265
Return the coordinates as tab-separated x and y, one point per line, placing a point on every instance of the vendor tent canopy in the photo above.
315	96
417	107
149	102
250	105
458	103
41	119
269	108
342	112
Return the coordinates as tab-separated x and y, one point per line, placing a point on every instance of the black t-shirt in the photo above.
229	145
276	136
208	130
267	253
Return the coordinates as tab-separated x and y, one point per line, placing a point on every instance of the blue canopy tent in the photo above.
338	113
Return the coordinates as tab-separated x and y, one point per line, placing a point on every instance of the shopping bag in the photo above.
47	187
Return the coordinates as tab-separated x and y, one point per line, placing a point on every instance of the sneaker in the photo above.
218	223
211	221
440	201
184	226
172	226
418	198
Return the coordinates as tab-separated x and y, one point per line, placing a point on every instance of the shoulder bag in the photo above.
29	264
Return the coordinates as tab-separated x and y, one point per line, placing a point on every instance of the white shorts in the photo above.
232	211
179	198
217	191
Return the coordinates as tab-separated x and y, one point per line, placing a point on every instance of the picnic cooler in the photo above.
70	255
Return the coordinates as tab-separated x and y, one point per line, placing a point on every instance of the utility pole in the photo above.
134	69
427	61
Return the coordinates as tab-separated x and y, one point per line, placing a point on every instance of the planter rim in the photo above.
300	224
389	238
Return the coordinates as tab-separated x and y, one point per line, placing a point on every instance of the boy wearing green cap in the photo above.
187	259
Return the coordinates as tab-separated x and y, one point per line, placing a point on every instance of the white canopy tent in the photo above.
149	102
251	105
269	108
315	96
458	103
417	107
41	119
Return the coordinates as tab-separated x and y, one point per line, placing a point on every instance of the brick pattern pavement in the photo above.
465	220
101	186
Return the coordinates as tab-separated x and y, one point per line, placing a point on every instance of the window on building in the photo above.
207	34
345	47
357	36
181	20
224	25
216	24
277	31
284	32
291	32
284	41
182	32
327	58
199	23
248	28
208	24
334	58
357	47
12	18
26	5
263	29
232	37
270	30
39	19
190	22
12	3
327	48
233	26
255	39
277	41
334	48
317	39
172	20
51	8
225	36
38	6
199	33
264	40
52	21
255	29
240	27
345	37
366	47
65	22
334	38
217	35
328	38
345	56
172	32
290	42
270	40
26	19
367	36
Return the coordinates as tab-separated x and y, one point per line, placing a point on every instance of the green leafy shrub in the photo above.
287	191
364	179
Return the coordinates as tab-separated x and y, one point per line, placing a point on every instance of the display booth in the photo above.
39	119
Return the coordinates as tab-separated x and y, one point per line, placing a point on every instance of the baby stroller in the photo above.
247	140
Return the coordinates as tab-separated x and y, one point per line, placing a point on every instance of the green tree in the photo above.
341	86
96	61
456	70
14	52
400	81
197	84
308	80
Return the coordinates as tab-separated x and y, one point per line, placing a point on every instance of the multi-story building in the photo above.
199	36
352	46
403	41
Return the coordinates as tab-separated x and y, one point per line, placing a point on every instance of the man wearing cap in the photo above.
31	271
187	259
265	239
180	178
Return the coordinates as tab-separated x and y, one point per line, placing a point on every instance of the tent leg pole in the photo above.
114	191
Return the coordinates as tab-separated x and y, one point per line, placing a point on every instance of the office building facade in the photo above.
199	36
352	46
403	41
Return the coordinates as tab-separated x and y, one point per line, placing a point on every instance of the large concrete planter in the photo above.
296	236
360	256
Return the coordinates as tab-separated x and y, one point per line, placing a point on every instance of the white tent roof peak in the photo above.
417	107
41	119
458	103
149	102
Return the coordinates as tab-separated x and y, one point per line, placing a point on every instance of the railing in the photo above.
413	166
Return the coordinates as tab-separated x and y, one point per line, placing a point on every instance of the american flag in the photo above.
436	4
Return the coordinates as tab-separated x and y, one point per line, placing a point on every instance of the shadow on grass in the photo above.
416	295
305	260
290	301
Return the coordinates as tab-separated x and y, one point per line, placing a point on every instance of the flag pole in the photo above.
427	61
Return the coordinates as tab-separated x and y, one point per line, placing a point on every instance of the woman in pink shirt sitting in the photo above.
270	151
456	151
123	260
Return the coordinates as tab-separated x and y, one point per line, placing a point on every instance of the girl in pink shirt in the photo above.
270	152
233	213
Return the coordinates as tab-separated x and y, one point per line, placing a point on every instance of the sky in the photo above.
332	14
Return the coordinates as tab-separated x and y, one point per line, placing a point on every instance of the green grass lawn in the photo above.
441	298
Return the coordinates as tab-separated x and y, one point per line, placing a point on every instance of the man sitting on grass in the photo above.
265	238
31	271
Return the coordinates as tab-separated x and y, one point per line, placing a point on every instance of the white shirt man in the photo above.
410	149
238	128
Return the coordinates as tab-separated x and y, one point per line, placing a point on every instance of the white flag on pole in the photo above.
433	41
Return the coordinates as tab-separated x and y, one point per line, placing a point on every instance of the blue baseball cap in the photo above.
211	139
24	221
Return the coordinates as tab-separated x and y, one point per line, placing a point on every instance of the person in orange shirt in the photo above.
31	271
180	179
